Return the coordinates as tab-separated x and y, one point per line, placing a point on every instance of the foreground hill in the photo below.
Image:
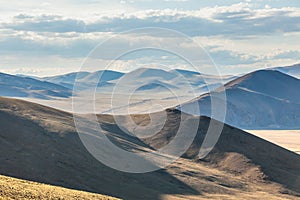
16	86
12	188
265	99
40	144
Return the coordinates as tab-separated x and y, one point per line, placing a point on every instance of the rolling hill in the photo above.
139	77
86	79
182	79
16	86
40	144
264	99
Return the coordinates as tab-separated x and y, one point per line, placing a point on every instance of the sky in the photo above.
44	38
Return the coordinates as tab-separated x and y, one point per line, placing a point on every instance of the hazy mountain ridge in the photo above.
84	79
264	99
293	70
139	77
16	86
268	82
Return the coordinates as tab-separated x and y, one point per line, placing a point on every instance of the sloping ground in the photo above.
40	144
264	99
68	80
288	139
293	70
16	86
238	152
12	188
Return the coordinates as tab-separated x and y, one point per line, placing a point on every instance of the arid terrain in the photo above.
44	147
12	188
150	100
289	139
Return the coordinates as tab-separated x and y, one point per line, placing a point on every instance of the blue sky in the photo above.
53	37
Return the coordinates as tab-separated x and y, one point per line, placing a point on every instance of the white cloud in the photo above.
237	19
239	35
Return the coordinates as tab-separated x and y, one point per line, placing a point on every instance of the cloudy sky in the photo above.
54	37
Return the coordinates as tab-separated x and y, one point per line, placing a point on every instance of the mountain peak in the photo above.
260	79
186	72
152	72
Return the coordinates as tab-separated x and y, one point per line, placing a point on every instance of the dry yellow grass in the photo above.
12	188
244	196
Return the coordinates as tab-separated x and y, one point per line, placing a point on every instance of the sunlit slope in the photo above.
12	188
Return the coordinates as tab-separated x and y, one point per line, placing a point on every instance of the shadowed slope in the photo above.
238	149
40	144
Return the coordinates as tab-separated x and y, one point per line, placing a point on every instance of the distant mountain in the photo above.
156	83
293	70
17	86
66	80
103	75
85	79
138	77
157	86
149	79
260	100
185	73
272	83
199	80
148	73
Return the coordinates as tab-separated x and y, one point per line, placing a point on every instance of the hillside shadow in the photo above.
277	163
30	152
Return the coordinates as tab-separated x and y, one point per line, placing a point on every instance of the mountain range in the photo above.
264	99
84	79
16	86
148	78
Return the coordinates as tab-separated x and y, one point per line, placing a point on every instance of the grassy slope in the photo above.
12	188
